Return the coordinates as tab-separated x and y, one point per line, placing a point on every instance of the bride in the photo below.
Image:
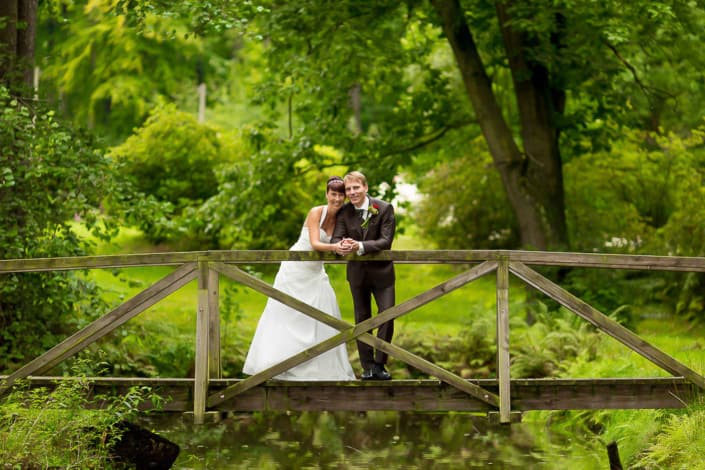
283	331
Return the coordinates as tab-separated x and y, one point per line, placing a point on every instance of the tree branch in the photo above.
648	90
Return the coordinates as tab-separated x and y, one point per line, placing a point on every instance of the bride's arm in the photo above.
313	222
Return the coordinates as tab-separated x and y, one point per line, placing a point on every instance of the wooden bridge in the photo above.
502	397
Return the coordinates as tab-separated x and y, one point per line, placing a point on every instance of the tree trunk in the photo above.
532	179
17	43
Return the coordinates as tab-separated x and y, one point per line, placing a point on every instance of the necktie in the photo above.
360	213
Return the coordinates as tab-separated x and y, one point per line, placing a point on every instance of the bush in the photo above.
173	159
465	206
49	175
551	344
641	196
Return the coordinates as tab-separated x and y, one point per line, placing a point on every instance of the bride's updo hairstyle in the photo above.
335	183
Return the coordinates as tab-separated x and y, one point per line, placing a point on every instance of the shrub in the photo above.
173	159
465	206
49	175
552	343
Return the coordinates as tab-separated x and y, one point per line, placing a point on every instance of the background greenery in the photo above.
115	155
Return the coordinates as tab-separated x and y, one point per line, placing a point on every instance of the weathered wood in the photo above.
503	341
605	324
105	324
411	395
200	384
452	392
95	262
214	364
360	332
544	258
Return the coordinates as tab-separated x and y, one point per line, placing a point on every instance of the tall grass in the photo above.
59	428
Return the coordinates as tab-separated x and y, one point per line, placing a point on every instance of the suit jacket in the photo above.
378	236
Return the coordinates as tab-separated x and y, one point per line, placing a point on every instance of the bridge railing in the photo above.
207	266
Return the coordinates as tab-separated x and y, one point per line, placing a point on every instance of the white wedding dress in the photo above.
283	331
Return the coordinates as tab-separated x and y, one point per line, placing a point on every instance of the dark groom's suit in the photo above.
370	278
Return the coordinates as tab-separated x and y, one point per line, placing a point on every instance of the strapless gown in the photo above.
283	331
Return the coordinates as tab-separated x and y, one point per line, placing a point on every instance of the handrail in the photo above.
541	258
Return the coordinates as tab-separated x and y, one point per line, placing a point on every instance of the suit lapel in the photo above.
356	224
369	218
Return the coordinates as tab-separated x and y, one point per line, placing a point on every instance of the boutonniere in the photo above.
371	211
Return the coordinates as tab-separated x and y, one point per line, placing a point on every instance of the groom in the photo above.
366	225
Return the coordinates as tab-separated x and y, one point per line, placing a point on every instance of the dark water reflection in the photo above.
348	441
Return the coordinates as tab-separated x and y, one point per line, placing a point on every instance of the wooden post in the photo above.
200	383
214	364
503	374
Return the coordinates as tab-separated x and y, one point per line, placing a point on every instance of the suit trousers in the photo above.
362	302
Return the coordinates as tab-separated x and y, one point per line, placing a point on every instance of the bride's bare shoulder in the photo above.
314	215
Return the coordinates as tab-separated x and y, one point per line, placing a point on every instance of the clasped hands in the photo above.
347	246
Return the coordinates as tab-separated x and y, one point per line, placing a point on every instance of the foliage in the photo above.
43	428
144	349
49	175
618	198
104	74
465	206
551	344
174	159
470	353
263	199
679	444
638	197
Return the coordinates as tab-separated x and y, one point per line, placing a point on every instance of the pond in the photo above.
347	440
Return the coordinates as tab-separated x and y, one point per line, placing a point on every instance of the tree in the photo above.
105	73
532	176
541	76
18	20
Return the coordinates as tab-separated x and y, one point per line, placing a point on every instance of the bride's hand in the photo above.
342	248
350	245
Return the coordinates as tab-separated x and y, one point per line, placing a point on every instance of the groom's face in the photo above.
356	191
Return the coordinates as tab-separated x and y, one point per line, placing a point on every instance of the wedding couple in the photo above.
361	226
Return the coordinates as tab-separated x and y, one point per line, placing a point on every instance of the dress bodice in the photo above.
304	241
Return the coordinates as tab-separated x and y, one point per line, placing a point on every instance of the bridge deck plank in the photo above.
414	395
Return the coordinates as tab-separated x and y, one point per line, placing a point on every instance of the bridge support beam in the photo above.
215	370
200	384
503	374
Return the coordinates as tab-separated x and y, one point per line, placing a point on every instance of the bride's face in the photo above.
335	199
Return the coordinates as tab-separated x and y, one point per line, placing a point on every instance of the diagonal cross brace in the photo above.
105	324
605	323
360	331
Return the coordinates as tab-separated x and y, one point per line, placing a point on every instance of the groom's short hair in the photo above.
356	176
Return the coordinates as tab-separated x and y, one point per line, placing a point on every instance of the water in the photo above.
345	440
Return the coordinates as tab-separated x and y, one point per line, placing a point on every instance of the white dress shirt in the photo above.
365	214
